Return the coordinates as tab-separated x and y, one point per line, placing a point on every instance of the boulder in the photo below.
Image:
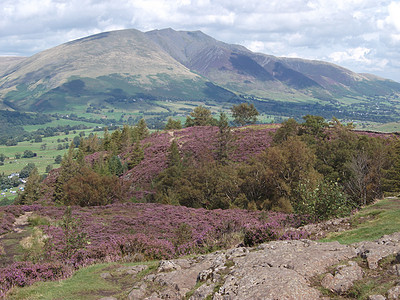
394	293
343	279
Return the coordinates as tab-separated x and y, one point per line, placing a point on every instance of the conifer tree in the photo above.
32	189
224	139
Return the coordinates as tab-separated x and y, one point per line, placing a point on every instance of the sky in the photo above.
362	35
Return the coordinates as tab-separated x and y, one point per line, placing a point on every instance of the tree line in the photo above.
316	167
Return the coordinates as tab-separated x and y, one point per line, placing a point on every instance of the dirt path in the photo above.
10	241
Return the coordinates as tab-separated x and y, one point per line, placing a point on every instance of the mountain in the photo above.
154	71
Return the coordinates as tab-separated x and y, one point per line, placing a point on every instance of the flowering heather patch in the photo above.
7	217
26	273
195	142
137	231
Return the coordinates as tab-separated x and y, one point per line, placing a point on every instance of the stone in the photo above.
137	292
396	268
394	293
132	270
376	297
108	298
167	266
203	291
274	270
373	252
343	279
105	275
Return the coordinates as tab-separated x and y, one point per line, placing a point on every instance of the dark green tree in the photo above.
173	124
244	113
26	171
140	130
114	166
32	189
136	156
200	116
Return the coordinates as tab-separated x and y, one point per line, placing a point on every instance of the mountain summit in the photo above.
122	68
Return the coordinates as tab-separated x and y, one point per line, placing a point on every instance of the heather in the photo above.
137	196
70	238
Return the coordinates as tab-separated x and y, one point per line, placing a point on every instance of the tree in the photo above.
26	171
224	139
289	128
49	168
140	130
114	166
32	190
244	113
2	157
28	154
87	188
314	126
136	156
58	159
173	124
200	116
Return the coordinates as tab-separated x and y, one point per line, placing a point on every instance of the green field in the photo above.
46	152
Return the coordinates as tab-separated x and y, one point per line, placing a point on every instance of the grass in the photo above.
86	283
44	157
371	223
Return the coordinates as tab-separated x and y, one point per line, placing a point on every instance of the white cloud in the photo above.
359	34
354	54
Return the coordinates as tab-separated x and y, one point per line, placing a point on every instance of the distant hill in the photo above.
132	70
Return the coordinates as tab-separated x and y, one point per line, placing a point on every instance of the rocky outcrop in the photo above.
276	270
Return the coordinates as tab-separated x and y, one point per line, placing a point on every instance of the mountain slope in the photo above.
132	70
240	69
109	66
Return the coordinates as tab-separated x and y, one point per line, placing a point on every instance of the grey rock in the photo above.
274	270
376	297
137	292
132	270
108	298
394	293
203	291
373	252
273	283
343	279
396	268
105	275
168	265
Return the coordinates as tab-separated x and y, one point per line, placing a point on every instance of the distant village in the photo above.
13	191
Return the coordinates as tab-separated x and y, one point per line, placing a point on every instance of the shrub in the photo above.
325	201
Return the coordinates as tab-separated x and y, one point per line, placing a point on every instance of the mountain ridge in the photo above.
118	68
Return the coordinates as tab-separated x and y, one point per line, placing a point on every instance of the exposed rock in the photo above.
168	265
343	279
108	298
263	282
376	297
132	270
373	252
394	293
203	291
105	275
138	292
396	269
274	270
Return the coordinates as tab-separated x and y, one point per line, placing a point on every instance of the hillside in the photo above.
163	70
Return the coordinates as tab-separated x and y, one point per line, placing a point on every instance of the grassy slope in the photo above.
84	284
371	223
